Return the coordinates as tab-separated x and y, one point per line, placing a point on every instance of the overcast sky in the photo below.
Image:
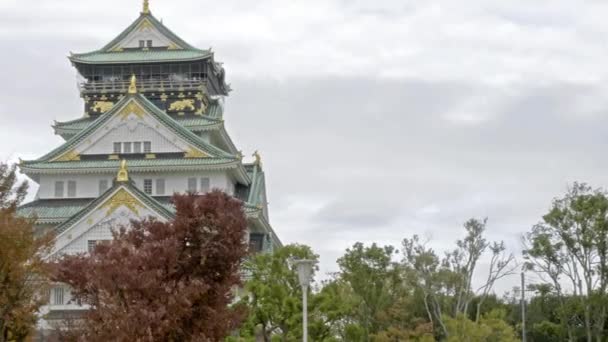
376	120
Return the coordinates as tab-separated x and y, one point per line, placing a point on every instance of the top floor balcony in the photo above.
149	84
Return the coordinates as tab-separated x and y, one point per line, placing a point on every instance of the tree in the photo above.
571	244
331	307
163	281
490	328
22	268
374	280
273	294
446	284
432	280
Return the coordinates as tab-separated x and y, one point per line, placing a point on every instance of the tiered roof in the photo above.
64	212
211	120
113	53
209	156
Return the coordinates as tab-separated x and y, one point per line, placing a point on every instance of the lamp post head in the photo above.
304	267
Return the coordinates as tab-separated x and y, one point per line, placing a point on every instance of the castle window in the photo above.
91	245
191	184
149	43
58	296
71	188
205	185
256	242
59	189
137	147
148	186
147	147
126	147
160	186
116	147
103	186
142	43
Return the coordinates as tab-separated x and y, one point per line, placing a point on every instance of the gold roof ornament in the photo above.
123	174
258	158
146	8
133	85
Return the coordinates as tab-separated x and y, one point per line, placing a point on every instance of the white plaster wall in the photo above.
121	128
87	186
179	182
131	132
132	40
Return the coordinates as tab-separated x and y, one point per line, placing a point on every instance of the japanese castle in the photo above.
153	126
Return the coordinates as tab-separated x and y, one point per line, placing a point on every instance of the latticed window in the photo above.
148	186
126	147
116	147
137	147
71	188
256	242
59	189
205	185
160	186
192	184
58	296
147	147
91	245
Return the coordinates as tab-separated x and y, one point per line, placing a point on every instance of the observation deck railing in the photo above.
144	85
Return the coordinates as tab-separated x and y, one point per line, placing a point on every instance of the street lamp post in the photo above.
304	268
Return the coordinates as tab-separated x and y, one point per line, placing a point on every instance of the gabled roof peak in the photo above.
156	38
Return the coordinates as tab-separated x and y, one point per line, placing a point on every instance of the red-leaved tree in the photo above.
160	281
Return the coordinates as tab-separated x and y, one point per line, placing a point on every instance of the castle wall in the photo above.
87	186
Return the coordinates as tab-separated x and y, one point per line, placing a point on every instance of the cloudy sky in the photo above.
376	119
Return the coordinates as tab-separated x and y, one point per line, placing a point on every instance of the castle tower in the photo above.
153	125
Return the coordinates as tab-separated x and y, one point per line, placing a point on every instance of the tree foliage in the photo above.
163	281
22	268
273	294
570	247
490	328
446	284
373	280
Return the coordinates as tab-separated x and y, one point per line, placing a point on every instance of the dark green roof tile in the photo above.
139	56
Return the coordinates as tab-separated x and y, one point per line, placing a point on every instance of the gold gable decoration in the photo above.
68	156
132	108
120	199
102	106
123	174
146	7
173	46
181	105
145	24
133	85
195	153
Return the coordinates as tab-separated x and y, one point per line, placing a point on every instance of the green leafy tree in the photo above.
273	294
374	279
330	311
446	284
570	245
490	328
